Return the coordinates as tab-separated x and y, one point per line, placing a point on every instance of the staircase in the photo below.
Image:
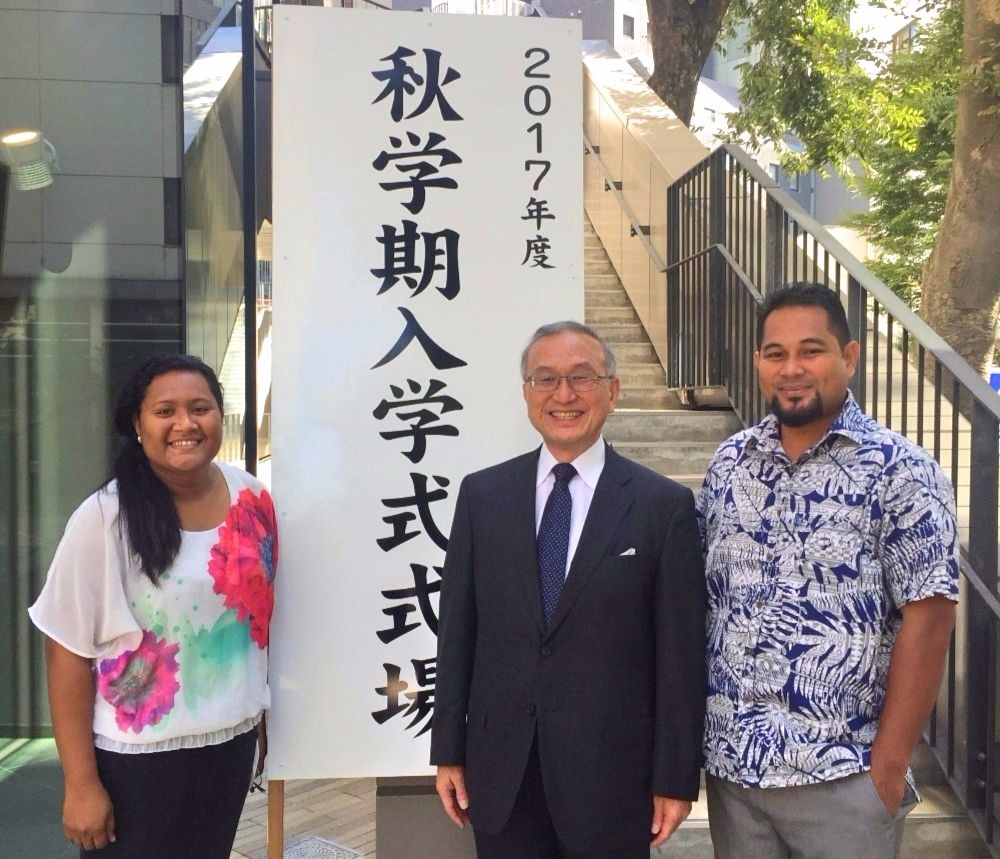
652	427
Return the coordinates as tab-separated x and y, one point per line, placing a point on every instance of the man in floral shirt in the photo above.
832	564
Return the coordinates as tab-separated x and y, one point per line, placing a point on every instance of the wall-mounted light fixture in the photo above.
32	159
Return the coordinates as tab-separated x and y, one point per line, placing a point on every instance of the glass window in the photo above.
91	268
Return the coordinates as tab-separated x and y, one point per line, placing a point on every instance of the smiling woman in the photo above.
179	426
156	613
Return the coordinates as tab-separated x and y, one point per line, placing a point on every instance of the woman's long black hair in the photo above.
147	517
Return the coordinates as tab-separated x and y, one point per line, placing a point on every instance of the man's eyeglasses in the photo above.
581	383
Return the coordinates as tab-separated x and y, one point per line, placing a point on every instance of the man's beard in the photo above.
803	413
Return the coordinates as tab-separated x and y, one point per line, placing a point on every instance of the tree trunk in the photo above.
961	279
682	34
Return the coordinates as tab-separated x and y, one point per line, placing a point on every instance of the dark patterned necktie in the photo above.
553	538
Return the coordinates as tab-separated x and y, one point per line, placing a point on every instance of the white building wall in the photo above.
638	44
882	23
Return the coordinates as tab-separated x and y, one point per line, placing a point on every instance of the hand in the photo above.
889	783
451	788
88	816
668	814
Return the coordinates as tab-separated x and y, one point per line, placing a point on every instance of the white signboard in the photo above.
427	218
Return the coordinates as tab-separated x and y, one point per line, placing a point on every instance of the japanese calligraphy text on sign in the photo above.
427	217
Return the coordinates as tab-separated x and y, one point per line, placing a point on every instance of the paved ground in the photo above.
321	814
338	810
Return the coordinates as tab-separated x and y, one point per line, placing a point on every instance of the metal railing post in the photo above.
249	205
857	319
774	242
717	340
980	627
673	284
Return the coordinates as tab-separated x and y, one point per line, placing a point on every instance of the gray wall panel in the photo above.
834	201
133	7
598	18
19	44
170	130
92	47
19	104
104	210
213	218
79	260
24	217
102	129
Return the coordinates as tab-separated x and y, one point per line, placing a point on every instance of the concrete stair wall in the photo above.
650	424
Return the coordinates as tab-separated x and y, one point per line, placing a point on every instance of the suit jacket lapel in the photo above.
612	500
519	490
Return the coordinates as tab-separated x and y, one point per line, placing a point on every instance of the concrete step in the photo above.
597	266
651	397
616	315
630	333
606	298
593	280
636	353
670	426
641	375
681	458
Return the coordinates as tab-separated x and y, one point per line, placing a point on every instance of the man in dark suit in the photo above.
570	684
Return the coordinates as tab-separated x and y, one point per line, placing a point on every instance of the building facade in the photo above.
91	269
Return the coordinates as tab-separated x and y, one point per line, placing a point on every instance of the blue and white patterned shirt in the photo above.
808	563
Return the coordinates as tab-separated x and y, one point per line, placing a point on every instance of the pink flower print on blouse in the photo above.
244	560
141	684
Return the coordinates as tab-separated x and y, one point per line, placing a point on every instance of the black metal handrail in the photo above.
732	236
790	245
697	358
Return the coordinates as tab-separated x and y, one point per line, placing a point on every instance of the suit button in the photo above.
546	651
531	709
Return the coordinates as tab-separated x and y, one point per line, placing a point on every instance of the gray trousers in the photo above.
830	820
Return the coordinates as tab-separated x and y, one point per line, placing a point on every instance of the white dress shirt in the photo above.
589	466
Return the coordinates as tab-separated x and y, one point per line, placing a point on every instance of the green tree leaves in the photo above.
883	120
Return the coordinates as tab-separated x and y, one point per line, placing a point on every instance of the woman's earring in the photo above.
138	439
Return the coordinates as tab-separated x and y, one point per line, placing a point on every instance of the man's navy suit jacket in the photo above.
614	686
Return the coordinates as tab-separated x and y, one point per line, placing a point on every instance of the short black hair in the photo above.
805	294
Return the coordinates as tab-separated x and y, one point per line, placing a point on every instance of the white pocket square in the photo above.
627	552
